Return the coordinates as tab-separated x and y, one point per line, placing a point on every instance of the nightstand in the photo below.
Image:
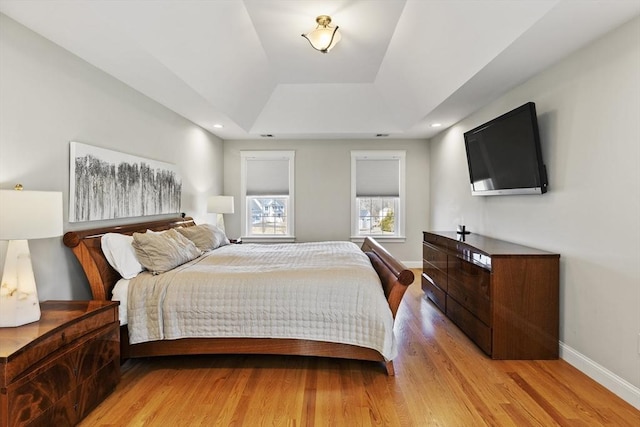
56	370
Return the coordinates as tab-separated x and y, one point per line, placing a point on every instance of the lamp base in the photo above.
19	303
220	222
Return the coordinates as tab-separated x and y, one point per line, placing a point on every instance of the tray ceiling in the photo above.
401	64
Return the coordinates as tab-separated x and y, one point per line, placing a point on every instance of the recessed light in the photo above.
218	126
436	125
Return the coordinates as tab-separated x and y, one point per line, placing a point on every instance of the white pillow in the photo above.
120	254
220	235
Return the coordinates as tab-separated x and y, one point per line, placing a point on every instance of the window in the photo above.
377	193
267	188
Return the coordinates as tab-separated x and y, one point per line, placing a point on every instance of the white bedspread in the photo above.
120	293
316	291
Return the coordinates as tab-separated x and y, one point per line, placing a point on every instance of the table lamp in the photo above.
220	205
24	215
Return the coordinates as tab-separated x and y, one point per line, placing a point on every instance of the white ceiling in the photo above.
401	64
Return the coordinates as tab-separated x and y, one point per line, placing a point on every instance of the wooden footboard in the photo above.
395	277
85	244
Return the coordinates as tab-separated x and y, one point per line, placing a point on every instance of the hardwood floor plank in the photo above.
310	395
442	379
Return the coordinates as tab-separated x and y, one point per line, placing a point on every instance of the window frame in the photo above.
247	156
399	217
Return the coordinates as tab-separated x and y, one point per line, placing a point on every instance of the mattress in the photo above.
323	291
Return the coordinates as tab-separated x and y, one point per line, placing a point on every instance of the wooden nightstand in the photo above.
56	370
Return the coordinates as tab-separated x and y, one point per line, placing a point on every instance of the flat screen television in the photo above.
504	155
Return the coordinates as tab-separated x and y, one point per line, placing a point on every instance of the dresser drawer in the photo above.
434	256
473	297
62	413
470	325
98	386
36	394
437	276
434	293
470	286
435	239
99	352
469	274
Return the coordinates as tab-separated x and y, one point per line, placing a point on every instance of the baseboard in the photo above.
413	264
620	387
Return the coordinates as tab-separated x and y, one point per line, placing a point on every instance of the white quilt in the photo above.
315	291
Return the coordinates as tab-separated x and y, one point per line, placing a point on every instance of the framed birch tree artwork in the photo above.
107	184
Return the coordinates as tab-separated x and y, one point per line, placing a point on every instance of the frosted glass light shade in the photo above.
24	215
323	37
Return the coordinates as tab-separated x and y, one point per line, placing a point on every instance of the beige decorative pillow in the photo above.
204	236
160	252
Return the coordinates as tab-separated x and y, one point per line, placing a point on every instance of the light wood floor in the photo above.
441	379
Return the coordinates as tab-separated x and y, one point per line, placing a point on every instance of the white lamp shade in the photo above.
30	214
220	204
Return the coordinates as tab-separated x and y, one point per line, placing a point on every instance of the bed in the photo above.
290	335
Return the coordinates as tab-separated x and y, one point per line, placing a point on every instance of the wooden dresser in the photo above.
53	372
504	296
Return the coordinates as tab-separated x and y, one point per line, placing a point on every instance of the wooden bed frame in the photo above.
85	244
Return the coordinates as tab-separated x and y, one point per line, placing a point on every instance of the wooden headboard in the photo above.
85	244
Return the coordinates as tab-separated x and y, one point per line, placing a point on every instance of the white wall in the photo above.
49	97
323	188
589	115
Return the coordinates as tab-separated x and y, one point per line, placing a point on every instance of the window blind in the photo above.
377	177
267	177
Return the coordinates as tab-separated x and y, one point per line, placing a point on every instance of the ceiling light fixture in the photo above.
323	37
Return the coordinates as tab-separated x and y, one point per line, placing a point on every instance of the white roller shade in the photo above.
377	177
267	177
